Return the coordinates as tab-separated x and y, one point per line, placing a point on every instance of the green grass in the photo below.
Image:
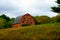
49	31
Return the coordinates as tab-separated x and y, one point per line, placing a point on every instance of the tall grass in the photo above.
36	32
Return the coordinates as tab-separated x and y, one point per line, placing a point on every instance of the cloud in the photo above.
14	8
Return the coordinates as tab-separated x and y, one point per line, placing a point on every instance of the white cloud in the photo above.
14	8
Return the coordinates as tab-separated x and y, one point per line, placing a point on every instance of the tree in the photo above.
42	19
56	19
56	8
9	23
2	23
58	1
5	17
37	19
5	21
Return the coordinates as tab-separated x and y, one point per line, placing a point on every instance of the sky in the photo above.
14	8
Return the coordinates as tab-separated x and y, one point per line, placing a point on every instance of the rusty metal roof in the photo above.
17	19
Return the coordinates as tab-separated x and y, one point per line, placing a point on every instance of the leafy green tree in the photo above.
42	19
36	18
5	21
56	8
2	23
56	19
5	17
9	23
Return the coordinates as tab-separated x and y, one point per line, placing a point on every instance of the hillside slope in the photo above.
36	32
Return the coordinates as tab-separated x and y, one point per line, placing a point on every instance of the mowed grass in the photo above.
36	32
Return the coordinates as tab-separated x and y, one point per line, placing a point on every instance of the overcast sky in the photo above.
14	8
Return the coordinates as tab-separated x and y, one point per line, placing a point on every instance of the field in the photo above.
35	32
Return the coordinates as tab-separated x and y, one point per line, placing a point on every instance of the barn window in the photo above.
23	21
24	18
31	22
30	18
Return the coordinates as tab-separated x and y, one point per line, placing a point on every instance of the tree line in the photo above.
47	19
6	22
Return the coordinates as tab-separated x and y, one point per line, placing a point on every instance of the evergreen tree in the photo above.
56	8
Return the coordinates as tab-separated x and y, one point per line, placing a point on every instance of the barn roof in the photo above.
17	19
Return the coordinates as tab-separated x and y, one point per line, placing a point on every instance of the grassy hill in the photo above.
36	32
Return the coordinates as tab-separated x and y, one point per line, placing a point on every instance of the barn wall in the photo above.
16	25
29	18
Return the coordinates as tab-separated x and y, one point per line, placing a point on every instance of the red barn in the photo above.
24	20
